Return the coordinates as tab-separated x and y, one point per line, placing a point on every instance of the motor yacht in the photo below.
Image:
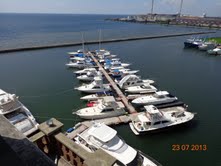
96	96
84	71
154	119
105	107
101	136
132	80
94	87
89	76
160	97
17	114
147	88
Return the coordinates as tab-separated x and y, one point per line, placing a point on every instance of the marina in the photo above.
53	96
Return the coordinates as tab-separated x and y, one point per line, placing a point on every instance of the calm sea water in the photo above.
45	86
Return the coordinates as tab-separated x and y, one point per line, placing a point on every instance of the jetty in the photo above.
120	94
9	50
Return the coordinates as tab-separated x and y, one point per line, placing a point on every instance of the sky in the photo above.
192	7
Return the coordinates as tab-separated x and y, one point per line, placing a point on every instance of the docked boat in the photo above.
110	64
17	114
96	96
193	43
215	51
207	46
89	76
101	137
132	80
160	97
147	88
154	119
106	107
122	72
79	64
94	87
85	71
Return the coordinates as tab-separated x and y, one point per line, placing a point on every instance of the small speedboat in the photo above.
154	119
147	88
110	65
96	96
94	87
160	97
105	107
122	72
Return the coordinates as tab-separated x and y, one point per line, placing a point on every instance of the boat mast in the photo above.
99	39
152	7
181	6
82	38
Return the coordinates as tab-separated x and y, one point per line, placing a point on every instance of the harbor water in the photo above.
46	86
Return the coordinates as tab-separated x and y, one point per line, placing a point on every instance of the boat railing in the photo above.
150	158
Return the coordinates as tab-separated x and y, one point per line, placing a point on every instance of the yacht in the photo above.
122	72
96	96
110	65
84	71
154	119
89	76
101	136
193	43
216	51
105	107
160	97
79	64
147	88
94	87
207	46
132	80
17	114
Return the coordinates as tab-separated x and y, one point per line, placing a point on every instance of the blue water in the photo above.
45	86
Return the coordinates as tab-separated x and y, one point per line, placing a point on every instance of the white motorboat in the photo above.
160	97
207	46
215	51
101	137
89	76
110	65
154	119
122	72
96	96
94	87
147	88
80	64
132	80
105	107
84	71
17	113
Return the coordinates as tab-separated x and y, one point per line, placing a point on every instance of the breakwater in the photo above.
103	41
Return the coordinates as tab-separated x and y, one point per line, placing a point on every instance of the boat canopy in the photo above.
102	132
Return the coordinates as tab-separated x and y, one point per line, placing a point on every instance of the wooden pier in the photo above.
120	94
